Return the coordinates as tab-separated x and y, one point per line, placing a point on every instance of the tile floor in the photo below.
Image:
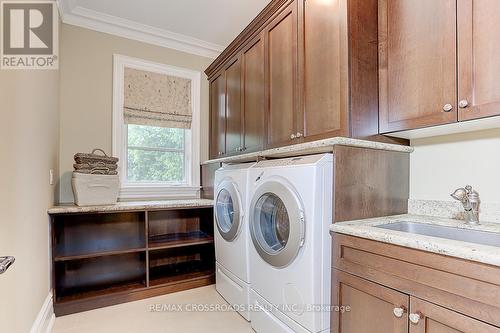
137	317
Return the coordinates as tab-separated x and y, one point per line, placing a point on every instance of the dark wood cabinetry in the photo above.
217	116
389	288
234	124
253	95
478	59
100	259
438	61
309	72
280	37
324	76
417	63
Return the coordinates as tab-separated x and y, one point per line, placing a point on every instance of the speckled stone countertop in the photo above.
313	147
132	206
465	250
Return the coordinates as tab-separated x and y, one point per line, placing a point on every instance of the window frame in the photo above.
155	190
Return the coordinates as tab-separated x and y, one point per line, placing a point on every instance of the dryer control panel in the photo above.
294	161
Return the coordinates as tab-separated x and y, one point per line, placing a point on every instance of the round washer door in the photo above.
228	210
276	223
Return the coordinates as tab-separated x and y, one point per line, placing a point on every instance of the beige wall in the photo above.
29	145
441	164
86	91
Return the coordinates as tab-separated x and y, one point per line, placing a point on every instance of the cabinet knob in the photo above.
292	136
447	107
415	317
399	312
299	135
220	153
463	103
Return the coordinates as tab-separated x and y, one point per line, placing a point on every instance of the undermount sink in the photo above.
464	235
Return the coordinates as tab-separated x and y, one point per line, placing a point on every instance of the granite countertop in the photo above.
313	147
465	250
133	205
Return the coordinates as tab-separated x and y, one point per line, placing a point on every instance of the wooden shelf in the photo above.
97	254
180	240
110	258
98	292
168	280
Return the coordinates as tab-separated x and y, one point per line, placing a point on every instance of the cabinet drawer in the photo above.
464	286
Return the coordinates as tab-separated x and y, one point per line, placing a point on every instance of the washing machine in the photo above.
231	235
289	217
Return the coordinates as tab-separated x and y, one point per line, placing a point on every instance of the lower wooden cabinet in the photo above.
393	289
431	318
368	307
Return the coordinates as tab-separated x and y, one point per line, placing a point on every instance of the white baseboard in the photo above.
45	319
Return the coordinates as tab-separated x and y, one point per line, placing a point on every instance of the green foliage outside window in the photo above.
155	154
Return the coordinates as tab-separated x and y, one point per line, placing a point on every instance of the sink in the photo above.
464	235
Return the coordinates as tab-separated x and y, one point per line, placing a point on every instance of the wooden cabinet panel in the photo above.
371	306
281	76
233	106
479	58
436	319
217	117
417	63
325	75
253	95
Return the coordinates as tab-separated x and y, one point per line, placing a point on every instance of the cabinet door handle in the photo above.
399	311
463	103
292	136
447	107
415	317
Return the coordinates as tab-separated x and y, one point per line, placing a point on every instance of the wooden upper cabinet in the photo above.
417	63
436	319
253	103
371	306
479	58
324	50
217	116
281	77
233	106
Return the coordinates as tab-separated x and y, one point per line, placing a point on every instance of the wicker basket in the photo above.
92	158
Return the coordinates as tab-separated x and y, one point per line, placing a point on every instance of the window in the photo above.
156	162
156	154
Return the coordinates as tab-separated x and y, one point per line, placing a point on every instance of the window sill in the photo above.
157	192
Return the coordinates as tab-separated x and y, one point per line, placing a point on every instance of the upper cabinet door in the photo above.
373	308
253	95
432	318
233	106
281	77
479	58
217	117
417	63
324	75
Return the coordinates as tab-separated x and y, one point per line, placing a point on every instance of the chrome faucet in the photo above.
470	200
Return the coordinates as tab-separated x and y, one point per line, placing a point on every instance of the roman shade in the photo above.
155	99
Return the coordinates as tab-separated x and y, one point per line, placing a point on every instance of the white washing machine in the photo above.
289	218
231	235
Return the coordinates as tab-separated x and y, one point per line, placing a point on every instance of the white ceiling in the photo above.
209	24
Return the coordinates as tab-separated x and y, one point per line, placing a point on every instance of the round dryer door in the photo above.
276	223
228	210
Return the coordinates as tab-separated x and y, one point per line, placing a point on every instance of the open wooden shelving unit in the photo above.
106	258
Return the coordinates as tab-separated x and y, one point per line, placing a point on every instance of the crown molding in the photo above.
90	19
